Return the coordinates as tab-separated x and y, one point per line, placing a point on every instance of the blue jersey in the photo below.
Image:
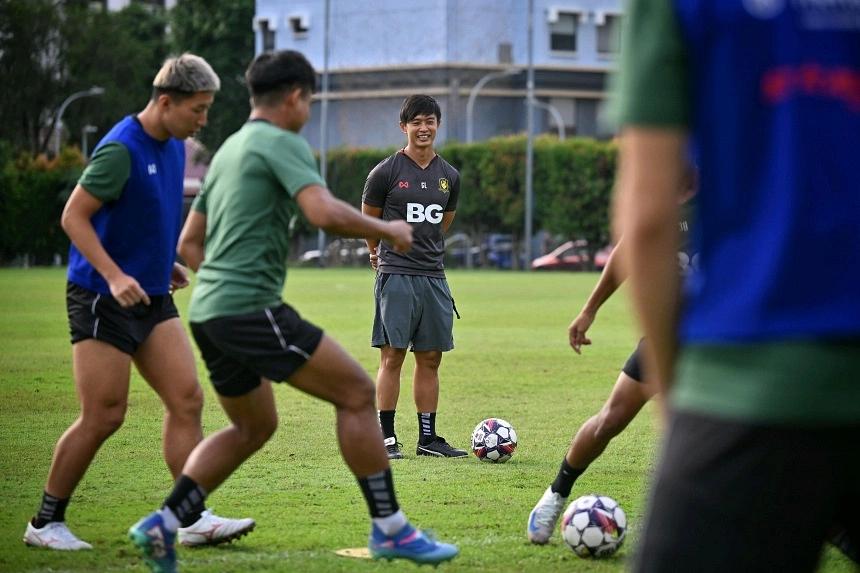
776	118
140	229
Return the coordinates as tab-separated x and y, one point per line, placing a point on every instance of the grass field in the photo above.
512	361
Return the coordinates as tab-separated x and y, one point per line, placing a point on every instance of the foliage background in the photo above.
572	187
50	49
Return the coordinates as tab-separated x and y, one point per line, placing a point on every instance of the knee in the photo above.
253	435
187	403
428	361
392	360
610	423
360	396
105	420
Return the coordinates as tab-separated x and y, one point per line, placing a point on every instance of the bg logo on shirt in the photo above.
418	213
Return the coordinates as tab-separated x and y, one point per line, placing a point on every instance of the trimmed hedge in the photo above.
572	186
33	191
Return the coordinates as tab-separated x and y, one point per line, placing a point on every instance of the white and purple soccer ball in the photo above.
594	526
494	440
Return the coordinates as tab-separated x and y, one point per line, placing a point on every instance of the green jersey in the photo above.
248	200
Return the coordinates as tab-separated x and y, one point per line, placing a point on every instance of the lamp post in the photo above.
553	111
93	91
85	132
324	121
530	98
473	94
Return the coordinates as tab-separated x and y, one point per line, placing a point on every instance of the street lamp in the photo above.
553	111
324	119
473	94
530	97
93	91
88	129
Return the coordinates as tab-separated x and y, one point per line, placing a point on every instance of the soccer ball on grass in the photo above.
494	440
594	526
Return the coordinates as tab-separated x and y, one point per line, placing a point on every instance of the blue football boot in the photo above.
412	544
156	542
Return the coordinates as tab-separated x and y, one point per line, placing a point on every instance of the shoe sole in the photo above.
422	452
534	541
141	541
52	548
229	539
391	557
538	541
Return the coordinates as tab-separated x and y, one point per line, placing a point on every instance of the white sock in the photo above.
391	524
171	522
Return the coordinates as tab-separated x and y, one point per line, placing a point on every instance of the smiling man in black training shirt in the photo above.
414	307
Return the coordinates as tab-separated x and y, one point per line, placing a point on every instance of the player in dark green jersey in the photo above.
237	238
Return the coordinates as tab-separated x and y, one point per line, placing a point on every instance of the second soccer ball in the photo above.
594	526
494	440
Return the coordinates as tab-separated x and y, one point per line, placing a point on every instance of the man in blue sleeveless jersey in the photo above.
123	219
761	455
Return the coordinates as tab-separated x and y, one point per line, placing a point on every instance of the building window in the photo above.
300	24
562	30
609	34
267	36
505	53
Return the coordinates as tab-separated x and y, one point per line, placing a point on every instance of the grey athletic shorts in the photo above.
414	312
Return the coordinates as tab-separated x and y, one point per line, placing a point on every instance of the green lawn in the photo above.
512	361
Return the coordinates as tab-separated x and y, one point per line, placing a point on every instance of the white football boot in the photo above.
213	530
544	516
55	535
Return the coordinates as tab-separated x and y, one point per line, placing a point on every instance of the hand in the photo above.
400	235
127	291
178	277
577	329
374	259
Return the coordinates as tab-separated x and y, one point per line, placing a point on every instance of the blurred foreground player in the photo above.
761	454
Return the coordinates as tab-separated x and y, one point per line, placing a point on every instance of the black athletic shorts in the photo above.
733	496
633	366
239	350
100	316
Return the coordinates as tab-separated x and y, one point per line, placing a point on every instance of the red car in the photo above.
569	256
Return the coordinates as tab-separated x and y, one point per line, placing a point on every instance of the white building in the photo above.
382	50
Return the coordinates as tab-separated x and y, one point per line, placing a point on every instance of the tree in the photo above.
29	67
120	51
50	49
220	32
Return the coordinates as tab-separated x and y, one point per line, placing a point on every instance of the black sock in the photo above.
426	427
52	509
186	500
564	480
378	490
386	420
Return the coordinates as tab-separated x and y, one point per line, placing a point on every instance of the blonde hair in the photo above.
185	75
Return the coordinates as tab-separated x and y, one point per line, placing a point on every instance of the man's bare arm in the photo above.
646	215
